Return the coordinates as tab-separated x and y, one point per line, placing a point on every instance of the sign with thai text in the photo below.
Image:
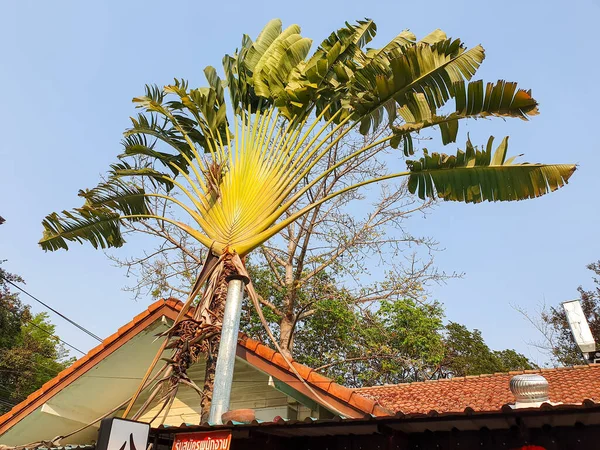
212	440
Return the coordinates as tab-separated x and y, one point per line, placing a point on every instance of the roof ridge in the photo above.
107	342
312	377
327	385
485	375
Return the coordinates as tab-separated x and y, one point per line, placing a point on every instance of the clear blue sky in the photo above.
70	69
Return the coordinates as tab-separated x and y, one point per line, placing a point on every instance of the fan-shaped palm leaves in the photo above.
235	175
239	174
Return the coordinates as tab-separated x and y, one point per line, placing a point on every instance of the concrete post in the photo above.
227	349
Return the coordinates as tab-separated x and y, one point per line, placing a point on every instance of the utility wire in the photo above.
6	404
45	331
7	390
85	330
51	372
6	400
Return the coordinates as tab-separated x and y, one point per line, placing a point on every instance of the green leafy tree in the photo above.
390	341
30	352
466	353
512	360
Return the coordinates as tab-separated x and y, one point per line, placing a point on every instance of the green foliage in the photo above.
466	353
502	99
387	342
480	175
30	353
288	101
511	360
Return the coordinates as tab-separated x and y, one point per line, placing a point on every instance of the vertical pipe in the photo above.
227	349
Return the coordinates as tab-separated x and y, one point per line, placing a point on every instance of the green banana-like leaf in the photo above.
343	47
98	226
125	170
482	175
98	220
273	70
473	101
135	144
117	195
236	77
325	76
429	70
434	37
405	39
267	36
240	177
206	104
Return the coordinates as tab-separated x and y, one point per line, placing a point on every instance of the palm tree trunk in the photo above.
209	384
199	336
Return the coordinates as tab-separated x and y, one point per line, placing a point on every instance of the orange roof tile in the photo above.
479	393
169	307
82	365
325	386
484	392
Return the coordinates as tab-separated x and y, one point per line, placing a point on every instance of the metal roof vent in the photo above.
530	390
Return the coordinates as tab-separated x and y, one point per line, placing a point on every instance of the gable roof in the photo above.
484	392
478	393
344	399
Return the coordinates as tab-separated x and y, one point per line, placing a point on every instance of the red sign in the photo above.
212	440
531	447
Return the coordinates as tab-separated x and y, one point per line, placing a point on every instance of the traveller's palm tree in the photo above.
236	174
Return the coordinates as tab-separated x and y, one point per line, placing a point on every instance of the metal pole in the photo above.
227	348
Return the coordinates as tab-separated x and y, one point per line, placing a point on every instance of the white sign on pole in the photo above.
579	326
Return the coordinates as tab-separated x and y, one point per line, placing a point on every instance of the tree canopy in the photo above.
552	323
387	341
30	352
238	173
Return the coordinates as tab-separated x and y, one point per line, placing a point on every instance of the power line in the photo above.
45	331
85	330
6	400
40	364
6	404
51	372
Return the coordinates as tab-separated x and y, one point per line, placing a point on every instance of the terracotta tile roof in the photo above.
95	355
323	385
170	307
354	404
484	392
479	393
